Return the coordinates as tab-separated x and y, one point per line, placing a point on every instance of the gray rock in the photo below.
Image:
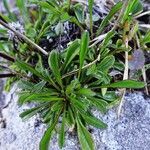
1	94
130	132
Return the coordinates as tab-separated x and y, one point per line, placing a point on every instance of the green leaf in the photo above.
21	4
93	121
48	115
26	67
109	17
84	136
146	38
107	40
72	51
110	96
38	97
59	29
39	86
53	64
75	84
79	104
23	97
61	137
125	84
25	85
70	117
44	144
90	6
100	104
51	8
106	63
83	49
133	8
86	92
79	12
57	105
11	15
31	112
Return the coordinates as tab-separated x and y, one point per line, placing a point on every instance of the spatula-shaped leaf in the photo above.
93	121
44	144
83	49
109	17
61	138
106	63
40	97
39	86
125	84
26	67
84	136
86	92
80	105
53	64
31	112
100	104
72	51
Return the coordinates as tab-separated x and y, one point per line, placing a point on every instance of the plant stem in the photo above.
142	14
125	77
27	40
5	56
7	75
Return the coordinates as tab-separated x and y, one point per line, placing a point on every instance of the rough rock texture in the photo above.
131	132
1	95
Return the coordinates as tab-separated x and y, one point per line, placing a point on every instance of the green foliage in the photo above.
83	49
67	84
109	17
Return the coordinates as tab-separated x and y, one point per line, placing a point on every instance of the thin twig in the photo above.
7	75
143	69
144	78
98	39
145	26
142	14
125	77
7	57
84	67
27	40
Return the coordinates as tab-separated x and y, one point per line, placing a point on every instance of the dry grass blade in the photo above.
145	26
125	77
142	14
144	78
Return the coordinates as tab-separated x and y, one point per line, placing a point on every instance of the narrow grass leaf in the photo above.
125	84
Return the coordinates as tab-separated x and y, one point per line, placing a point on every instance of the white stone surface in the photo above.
131	132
